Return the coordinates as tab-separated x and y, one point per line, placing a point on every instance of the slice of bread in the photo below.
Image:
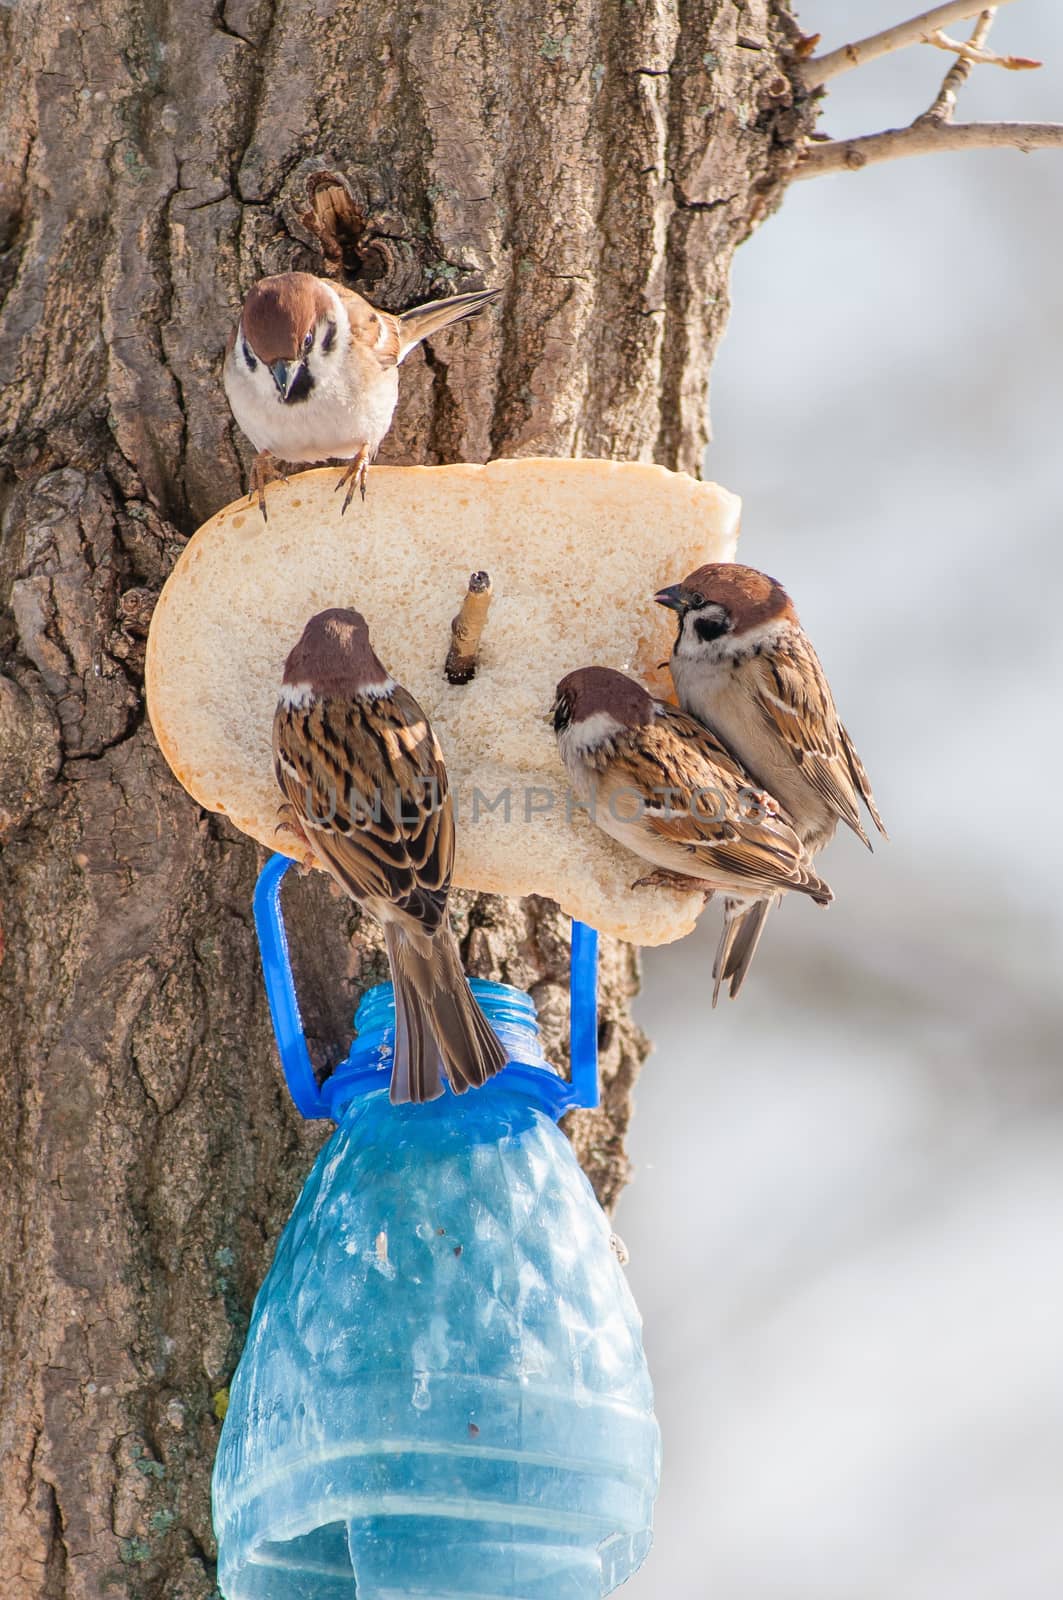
575	551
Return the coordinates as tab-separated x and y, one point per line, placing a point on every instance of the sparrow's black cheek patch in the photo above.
330	337
709	628
300	389
249	358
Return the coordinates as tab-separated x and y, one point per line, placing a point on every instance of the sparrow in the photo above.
745	669
365	789
311	371
664	786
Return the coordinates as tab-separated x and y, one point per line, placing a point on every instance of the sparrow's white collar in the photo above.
730	645
579	738
376	691
296	696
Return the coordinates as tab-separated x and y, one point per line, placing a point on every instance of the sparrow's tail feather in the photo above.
422	321
806	882
862	782
438	1025
738	943
416	1073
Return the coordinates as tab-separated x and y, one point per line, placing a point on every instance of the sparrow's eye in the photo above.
329	338
562	715
308	342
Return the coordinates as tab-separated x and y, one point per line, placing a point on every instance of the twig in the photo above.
924	138
959	72
917	30
969	51
465	631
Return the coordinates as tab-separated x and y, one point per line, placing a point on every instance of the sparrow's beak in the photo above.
561	713
672	598
284	375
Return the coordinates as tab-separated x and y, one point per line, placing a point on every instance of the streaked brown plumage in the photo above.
743	665
664	786
366	786
745	668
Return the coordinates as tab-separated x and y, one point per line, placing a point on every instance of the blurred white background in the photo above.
846	1223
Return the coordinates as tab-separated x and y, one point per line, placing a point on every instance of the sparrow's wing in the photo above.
861	780
791	693
366	780
421	322
375	333
676	783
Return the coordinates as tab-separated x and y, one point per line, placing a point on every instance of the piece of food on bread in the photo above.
575	551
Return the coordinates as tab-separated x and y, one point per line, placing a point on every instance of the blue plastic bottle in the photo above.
443	1391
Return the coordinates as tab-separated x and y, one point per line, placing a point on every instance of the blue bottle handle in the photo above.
288	1025
583	1014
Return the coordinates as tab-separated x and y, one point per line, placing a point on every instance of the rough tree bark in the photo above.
598	161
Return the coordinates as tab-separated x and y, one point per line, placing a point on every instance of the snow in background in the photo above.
846	1223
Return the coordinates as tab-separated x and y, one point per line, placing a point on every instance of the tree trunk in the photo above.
600	163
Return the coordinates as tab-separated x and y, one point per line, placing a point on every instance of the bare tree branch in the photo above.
917	30
926	138
934	129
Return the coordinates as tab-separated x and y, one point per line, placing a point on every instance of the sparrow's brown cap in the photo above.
279	312
593	690
749	596
334	656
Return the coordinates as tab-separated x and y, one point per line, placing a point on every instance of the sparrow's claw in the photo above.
354	477
661	878
264	469
304	858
